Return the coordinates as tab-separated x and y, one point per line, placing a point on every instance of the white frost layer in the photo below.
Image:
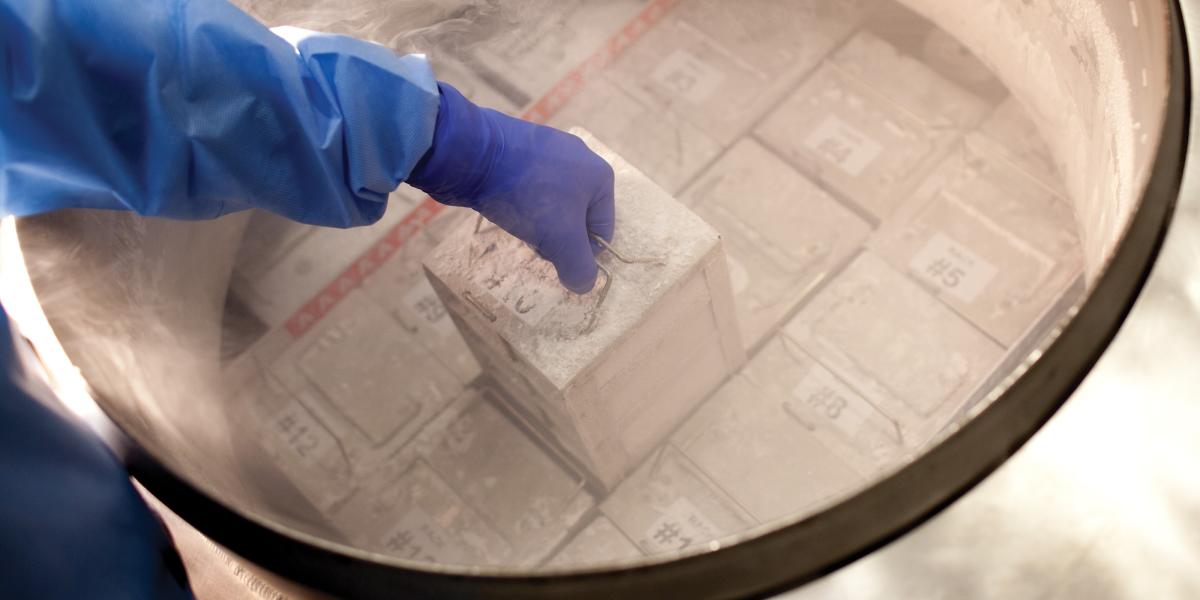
549	327
1093	76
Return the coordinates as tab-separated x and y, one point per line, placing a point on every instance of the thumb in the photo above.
570	251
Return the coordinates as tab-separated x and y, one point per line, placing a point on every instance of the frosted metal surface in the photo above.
905	220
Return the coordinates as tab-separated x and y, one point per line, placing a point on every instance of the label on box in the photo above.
418	537
843	145
821	394
513	275
527	286
686	76
300	433
424	302
952	268
309	455
681	525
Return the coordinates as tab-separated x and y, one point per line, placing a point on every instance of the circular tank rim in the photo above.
793	554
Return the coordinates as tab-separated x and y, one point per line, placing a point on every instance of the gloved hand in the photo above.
540	184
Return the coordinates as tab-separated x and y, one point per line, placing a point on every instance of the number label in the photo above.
424	302
686	76
843	145
681	525
952	268
820	394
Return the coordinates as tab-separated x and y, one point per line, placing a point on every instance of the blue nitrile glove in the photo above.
540	184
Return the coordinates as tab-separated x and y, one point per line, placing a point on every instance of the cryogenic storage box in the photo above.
608	374
665	147
752	440
418	516
400	287
906	353
784	375
282	264
778	38
525	60
782	233
722	67
367	379
599	542
528	498
871	123
669	505
307	453
990	241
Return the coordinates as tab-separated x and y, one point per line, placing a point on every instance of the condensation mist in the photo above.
840	229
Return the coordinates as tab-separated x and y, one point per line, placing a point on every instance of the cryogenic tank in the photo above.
934	219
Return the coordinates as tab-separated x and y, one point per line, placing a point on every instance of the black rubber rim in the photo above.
793	555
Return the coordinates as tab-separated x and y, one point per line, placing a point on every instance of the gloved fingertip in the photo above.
579	280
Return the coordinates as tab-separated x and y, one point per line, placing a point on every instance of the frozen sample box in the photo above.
663	146
990	241
776	37
367	378
542	41
400	287
418	516
871	123
906	353
531	500
276	284
1019	140
758	440
855	430
722	65
913	34
298	443
669	505
598	543
609	373
783	234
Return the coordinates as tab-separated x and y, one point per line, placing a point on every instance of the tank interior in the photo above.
911	198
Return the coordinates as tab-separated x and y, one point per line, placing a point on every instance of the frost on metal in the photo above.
670	505
871	123
608	374
905	352
993	243
481	463
783	234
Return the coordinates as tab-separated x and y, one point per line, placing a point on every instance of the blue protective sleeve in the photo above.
192	109
71	524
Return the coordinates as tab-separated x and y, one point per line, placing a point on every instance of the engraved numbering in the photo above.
688	77
835	149
404	544
297	434
827	402
669	533
841	144
430	309
680	526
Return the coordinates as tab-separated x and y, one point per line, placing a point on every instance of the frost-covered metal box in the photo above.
607	375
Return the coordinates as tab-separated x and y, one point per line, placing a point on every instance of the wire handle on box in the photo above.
479	306
629	260
608	274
